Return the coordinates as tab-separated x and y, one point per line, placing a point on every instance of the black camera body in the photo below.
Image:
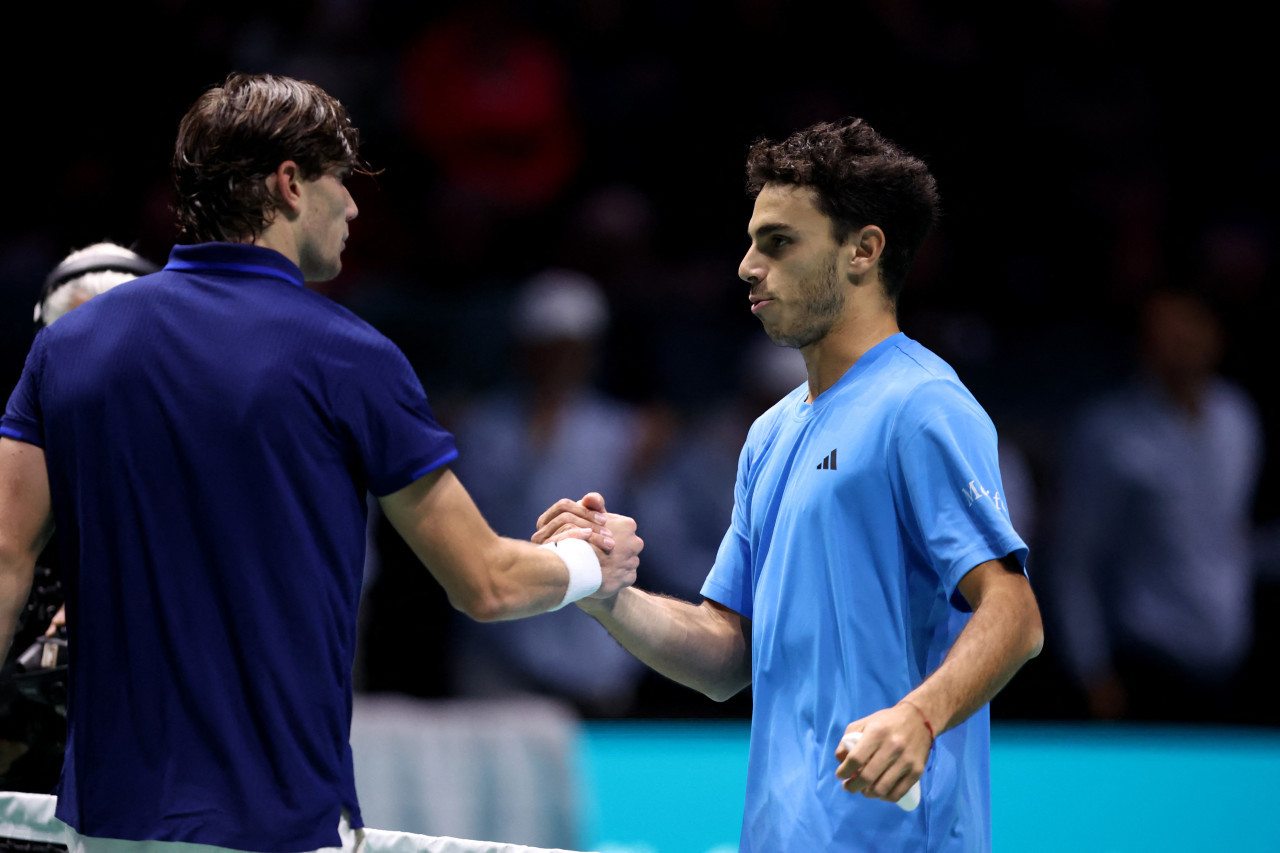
33	691
40	672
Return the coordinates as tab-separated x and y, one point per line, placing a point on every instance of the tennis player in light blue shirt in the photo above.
870	582
852	591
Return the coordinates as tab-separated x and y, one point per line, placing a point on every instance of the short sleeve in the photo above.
730	581
391	423
22	416
945	472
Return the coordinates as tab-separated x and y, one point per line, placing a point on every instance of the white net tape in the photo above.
29	818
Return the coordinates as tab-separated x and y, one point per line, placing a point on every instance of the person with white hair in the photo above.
86	273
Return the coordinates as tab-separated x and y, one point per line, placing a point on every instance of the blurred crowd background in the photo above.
552	237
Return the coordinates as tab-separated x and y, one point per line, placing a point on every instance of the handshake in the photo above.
613	536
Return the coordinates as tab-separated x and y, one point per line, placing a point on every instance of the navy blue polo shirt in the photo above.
211	432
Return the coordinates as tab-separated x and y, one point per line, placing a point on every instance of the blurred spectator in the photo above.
1150	582
1019	488
488	99
685	501
550	434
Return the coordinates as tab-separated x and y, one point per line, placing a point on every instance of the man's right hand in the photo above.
566	519
58	622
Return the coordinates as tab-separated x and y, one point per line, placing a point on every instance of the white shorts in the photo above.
352	842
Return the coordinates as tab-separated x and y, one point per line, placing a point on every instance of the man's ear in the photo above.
867	245
285	186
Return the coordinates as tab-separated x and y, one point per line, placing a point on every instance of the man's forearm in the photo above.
15	585
706	647
1004	632
26	525
490	577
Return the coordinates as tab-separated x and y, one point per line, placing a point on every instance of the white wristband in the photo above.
580	559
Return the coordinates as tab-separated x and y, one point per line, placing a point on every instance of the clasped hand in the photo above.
613	535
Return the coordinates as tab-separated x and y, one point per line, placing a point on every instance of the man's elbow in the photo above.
16	561
1019	608
1033	635
724	688
722	692
17	568
481	605
494	601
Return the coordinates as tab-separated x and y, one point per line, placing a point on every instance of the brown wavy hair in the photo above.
860	178
237	134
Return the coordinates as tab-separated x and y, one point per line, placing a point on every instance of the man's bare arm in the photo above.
26	523
704	646
490	577
1004	632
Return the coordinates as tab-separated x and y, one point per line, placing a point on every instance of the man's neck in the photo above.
849	339
276	237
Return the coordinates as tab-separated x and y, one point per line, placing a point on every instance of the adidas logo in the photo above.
829	462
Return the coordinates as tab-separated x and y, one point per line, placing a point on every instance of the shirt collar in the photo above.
859	367
234	259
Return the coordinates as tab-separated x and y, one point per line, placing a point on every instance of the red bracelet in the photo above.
927	724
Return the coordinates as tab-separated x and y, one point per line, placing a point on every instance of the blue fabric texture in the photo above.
855	518
211	432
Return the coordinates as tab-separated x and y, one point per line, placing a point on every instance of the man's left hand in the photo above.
889	758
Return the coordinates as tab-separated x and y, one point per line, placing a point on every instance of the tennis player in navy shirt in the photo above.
203	439
870	582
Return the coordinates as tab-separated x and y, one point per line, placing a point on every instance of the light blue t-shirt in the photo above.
855	517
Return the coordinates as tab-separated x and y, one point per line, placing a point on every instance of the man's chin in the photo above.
782	339
319	276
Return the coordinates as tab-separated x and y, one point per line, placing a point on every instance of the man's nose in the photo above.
750	269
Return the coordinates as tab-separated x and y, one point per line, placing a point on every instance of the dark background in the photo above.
1086	152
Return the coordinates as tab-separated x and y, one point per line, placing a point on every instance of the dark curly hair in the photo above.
236	134
860	178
